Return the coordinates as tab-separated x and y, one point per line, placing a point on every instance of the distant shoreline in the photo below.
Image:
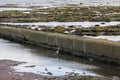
72	13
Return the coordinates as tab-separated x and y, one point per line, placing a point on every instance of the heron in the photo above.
58	49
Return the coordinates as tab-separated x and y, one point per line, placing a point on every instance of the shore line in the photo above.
100	50
7	73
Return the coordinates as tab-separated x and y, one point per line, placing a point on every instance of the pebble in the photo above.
115	78
31	66
49	73
46	69
59	68
83	73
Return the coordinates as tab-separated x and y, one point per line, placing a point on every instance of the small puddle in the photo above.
110	38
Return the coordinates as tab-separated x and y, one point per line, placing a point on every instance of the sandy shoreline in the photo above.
7	73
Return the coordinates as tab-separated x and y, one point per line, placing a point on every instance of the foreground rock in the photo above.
7	73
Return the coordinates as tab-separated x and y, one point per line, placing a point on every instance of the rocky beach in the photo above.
59	40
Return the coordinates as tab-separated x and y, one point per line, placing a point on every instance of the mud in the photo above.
8	73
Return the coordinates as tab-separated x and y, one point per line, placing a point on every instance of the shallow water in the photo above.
45	61
110	38
79	24
60	2
39	58
11	9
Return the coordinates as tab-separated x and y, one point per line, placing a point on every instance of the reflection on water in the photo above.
60	2
43	61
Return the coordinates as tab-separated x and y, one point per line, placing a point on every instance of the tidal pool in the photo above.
110	38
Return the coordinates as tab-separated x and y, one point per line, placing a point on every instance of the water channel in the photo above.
65	24
45	61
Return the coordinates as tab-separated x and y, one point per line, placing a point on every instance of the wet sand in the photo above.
8	73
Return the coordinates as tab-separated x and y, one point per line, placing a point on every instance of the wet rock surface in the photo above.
7	73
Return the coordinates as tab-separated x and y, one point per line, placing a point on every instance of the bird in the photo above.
58	49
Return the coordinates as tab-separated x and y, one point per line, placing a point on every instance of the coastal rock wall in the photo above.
76	45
